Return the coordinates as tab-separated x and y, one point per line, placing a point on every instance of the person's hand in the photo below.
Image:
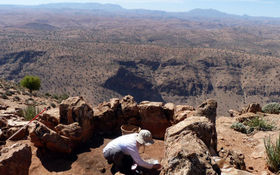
157	166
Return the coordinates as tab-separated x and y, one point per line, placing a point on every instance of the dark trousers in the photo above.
122	162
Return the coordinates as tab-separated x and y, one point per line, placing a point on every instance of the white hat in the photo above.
144	137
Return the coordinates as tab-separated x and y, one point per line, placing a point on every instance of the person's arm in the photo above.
133	151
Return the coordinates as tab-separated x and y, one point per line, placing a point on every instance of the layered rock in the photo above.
42	136
15	159
76	109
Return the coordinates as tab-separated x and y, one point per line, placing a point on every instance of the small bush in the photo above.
48	94
9	93
240	127
272	153
16	98
4	96
257	123
30	112
53	105
271	108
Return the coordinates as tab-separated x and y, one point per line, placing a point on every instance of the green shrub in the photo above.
271	108
64	96
240	127
272	153
257	123
30	112
31	83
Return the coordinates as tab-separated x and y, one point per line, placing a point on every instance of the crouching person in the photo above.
125	150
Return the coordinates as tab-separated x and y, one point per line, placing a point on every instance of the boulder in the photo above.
50	118
153	118
128	107
42	136
208	109
182	112
115	103
15	159
72	131
185	148
76	109
106	121
252	107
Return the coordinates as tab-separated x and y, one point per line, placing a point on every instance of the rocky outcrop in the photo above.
42	136
128	107
153	118
15	159
252	107
190	143
105	119
182	112
187	148
208	109
50	118
76	109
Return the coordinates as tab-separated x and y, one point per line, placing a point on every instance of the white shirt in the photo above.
128	144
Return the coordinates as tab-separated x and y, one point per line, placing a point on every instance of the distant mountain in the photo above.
82	6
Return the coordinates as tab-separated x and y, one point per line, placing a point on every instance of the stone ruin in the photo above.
190	134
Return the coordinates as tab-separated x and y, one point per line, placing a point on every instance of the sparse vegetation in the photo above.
271	108
273	153
256	124
30	112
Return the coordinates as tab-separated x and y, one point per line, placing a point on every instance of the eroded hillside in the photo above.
170	60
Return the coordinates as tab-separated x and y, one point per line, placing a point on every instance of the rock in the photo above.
246	116
114	104
72	131
169	111
76	109
208	108
252	107
233	158
128	107
106	119
182	112
153	118
185	152
234	113
42	136
3	122
15	159
50	118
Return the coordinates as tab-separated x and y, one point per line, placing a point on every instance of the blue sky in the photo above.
268	8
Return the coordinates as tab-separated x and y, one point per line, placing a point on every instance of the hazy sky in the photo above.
270	8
